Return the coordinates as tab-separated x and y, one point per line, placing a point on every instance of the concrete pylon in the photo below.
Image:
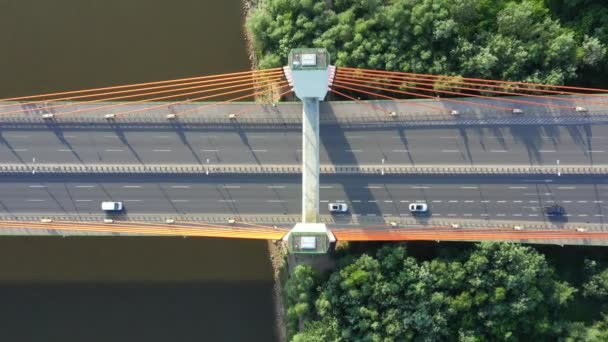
310	160
310	74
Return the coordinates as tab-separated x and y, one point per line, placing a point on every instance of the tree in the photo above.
500	39
300	294
499	292
597	285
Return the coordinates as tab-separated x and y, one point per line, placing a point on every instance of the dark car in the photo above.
555	210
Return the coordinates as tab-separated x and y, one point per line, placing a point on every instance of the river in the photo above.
114	288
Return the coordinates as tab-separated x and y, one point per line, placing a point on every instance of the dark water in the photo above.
134	289
49	46
126	289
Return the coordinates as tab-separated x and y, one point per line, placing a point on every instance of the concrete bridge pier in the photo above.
310	74
310	160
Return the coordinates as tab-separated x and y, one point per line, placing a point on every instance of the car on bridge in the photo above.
338	207
555	210
418	208
111	206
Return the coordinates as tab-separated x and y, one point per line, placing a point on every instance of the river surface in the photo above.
126	289
56	45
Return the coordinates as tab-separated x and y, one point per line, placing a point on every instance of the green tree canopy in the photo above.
499	39
501	292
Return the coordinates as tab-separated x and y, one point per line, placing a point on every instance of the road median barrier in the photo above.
274	169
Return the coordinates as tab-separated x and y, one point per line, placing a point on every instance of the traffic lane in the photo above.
491	145
73	196
584	198
290	153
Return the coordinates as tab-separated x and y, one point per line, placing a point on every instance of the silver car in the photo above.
337	207
418	208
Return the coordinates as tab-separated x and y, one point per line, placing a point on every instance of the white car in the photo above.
111	206
337	207
418	208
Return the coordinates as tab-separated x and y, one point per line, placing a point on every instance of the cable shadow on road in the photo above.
582	137
6	209
531	137
5	142
465	141
51	126
57	201
598	203
406	146
116	127
497	133
241	132
343	155
227	199
166	196
279	197
179	129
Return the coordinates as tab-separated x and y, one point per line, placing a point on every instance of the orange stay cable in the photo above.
244	77
158	98
254	105
241	82
359	101
468	103
138	226
450	79
417	80
285	84
132	85
385	96
202	232
559	92
202	98
460	94
255	225
494	235
487	80
181	225
440	230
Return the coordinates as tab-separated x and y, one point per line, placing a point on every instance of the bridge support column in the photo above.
310	74
310	160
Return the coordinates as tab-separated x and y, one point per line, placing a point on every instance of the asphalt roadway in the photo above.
585	198
512	145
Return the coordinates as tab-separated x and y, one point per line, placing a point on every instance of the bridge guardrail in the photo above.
296	169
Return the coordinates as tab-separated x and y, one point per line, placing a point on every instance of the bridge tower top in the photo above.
309	72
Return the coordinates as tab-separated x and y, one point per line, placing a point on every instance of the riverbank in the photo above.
278	253
248	6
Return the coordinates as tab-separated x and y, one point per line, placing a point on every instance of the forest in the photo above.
474	293
542	41
482	292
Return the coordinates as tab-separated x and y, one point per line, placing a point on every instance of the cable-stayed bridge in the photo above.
200	157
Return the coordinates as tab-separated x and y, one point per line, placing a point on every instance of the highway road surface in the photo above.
584	198
490	145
